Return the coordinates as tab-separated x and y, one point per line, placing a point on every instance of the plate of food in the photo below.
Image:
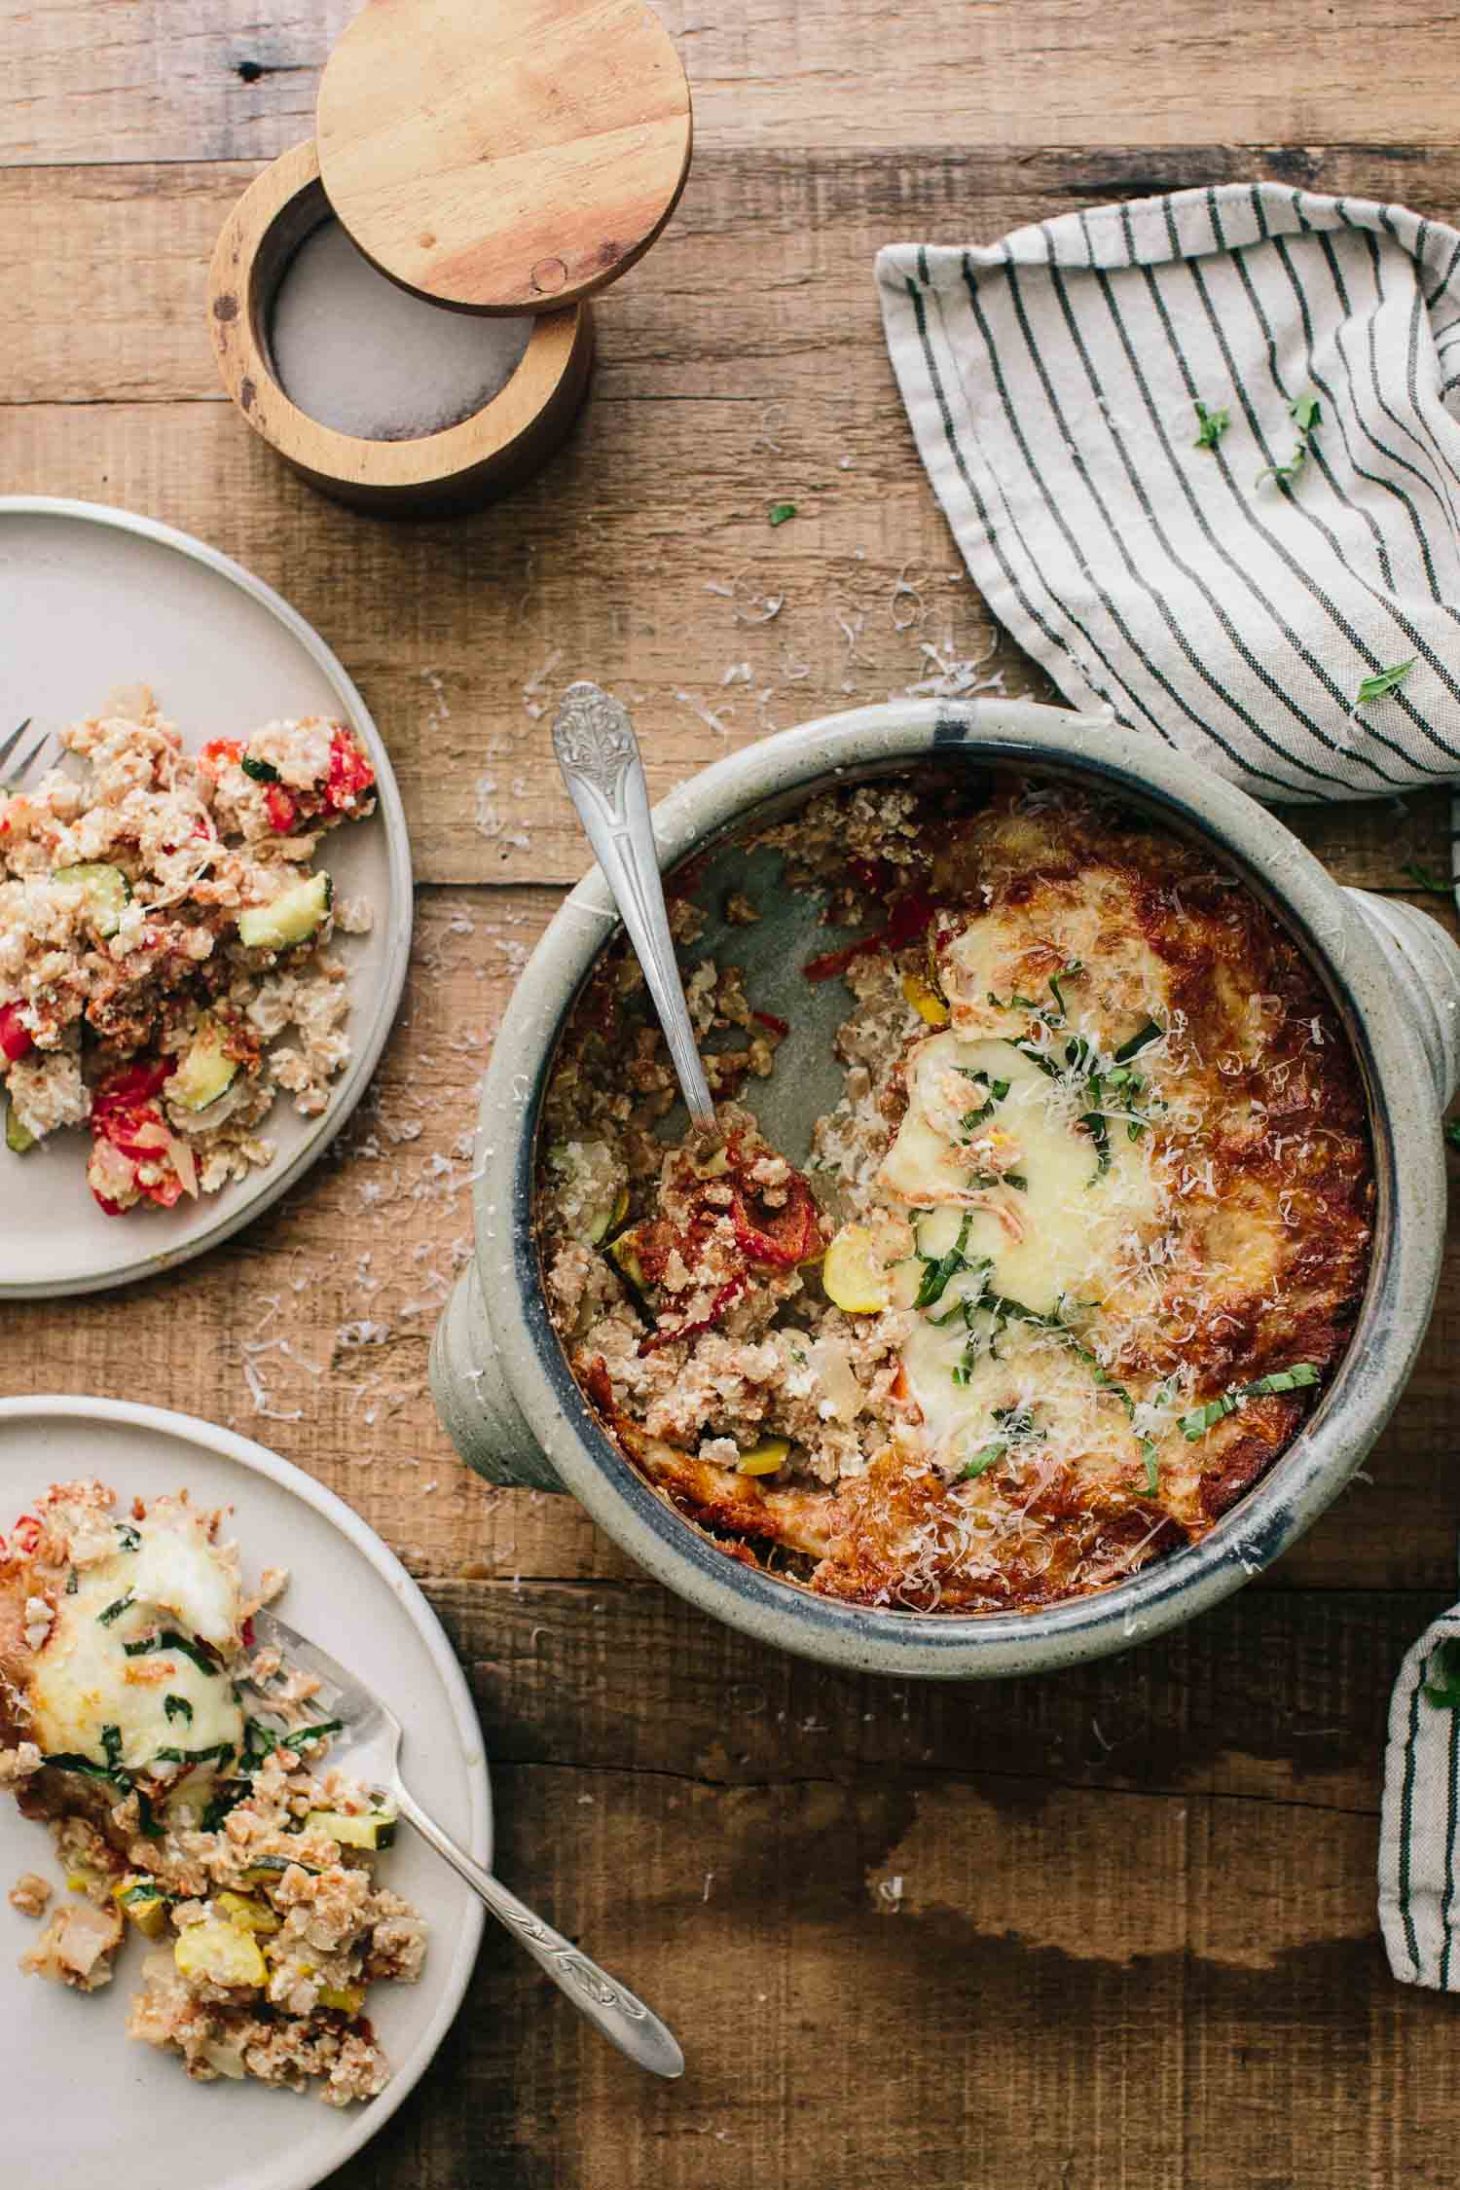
211	1925
205	897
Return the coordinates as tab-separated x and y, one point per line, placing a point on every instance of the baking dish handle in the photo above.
1425	962
482	1418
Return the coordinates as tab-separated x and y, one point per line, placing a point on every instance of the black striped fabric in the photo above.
1233	598
1419	1833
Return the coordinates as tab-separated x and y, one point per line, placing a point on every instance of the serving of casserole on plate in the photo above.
234	1873
205	913
1082	1234
210	1824
165	960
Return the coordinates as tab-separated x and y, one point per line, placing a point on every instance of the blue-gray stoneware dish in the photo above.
501	1380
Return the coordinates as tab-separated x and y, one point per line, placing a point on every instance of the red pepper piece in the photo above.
16	1040
350	777
281	809
772	1023
125	1113
783	1238
127	1088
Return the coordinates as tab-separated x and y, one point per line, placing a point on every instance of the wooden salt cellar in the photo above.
493	156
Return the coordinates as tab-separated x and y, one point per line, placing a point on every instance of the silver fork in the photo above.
14	772
610	2006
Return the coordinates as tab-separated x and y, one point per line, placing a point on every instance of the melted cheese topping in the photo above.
174	1582
1047	1238
1051	1235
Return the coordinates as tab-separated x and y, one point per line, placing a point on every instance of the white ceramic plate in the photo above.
90	2108
92	598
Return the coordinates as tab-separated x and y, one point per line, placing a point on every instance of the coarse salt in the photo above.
370	359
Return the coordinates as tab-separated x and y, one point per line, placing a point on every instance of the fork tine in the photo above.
25	765
8	745
354	1703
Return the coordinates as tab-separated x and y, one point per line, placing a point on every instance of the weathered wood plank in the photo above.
756	231
1279	1696
175	79
947	1934
666	594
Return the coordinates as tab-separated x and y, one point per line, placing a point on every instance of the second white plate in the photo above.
92	598
91	2108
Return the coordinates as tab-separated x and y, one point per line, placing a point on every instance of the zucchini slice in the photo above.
107	892
369	1829
18	1138
206	1070
289	918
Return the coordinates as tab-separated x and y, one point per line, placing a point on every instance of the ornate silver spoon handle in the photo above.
599	757
610	2006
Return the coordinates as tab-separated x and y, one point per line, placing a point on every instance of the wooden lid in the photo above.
504	155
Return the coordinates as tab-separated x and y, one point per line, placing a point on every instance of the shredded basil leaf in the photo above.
131	1541
1095	1124
66	1760
981	1461
780	512
219	1752
114	1611
307	1734
1201	1419
262	771
178	1707
170	1639
1149	1033
937	1272
1066	973
994	1093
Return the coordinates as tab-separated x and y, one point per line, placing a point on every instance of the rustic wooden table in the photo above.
1114	1928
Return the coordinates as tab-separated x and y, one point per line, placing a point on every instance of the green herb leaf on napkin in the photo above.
1305	412
1382	681
1213	425
779	512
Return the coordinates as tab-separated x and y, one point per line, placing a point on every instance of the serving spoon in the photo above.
599	757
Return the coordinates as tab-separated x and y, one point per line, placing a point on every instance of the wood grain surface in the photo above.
1107	1931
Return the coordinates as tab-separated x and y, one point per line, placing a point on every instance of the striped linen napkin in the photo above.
1419	1834
1202	456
